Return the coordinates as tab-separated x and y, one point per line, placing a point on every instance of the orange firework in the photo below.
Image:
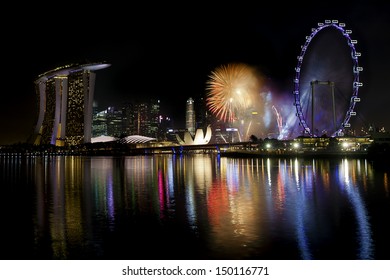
230	90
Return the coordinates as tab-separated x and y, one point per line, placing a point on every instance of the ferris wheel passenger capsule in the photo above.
356	99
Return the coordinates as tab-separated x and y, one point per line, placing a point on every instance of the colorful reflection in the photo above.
235	207
348	180
201	206
59	214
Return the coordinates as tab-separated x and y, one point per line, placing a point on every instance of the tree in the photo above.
253	138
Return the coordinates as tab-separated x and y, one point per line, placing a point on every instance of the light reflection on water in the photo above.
197	207
363	230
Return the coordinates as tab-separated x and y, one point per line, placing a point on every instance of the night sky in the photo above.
168	51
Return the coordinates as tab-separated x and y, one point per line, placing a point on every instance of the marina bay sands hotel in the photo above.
65	99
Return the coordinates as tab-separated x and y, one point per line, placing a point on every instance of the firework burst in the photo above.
230	90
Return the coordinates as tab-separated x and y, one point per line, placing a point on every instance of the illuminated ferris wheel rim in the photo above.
356	84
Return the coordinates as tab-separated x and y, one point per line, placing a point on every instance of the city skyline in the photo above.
172	57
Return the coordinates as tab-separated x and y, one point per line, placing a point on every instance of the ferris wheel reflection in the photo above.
362	219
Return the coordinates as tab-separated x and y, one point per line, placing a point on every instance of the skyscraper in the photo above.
190	116
65	100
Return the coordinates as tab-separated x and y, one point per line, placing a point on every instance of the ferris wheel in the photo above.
326	82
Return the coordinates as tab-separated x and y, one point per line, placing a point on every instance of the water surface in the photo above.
193	207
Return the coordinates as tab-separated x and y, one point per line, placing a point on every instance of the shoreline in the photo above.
385	156
307	154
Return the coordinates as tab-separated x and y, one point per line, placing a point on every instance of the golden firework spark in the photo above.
230	90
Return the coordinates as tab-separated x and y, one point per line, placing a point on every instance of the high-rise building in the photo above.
128	118
190	116
142	118
154	118
114	122
65	100
202	117
99	124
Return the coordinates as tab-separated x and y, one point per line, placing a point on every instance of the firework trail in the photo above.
231	90
278	119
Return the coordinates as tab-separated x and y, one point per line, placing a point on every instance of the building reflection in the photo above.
237	205
58	212
386	183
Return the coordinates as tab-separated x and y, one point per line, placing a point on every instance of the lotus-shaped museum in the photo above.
200	138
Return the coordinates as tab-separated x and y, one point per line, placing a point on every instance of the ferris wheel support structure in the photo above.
327	83
356	84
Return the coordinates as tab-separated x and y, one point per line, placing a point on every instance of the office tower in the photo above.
154	118
99	124
142	120
65	100
190	116
128	118
145	118
114	122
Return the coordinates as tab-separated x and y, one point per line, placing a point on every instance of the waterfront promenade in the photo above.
240	149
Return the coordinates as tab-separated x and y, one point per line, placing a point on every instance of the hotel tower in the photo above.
65	100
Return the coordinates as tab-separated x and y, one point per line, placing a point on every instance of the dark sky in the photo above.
168	51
